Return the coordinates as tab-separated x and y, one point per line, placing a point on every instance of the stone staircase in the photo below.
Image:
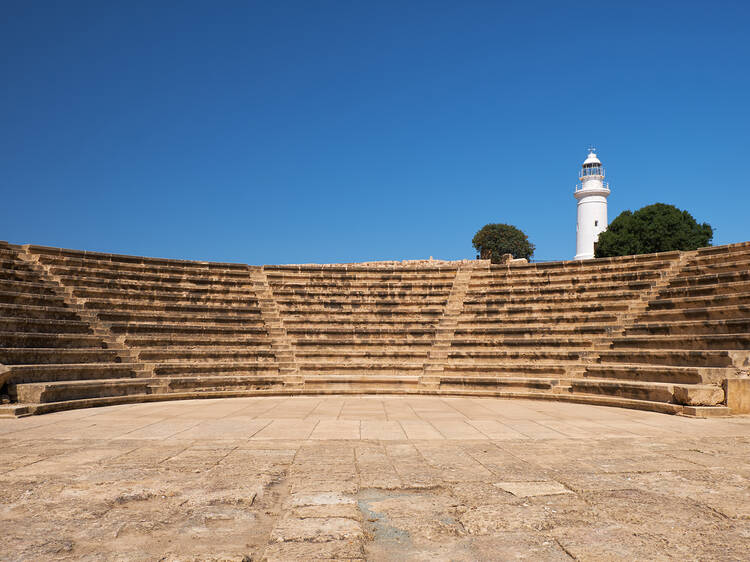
667	332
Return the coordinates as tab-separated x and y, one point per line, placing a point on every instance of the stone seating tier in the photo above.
661	331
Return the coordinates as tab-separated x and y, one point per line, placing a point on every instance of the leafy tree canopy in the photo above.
654	228
494	240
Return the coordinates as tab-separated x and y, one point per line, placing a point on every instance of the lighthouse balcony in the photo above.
604	187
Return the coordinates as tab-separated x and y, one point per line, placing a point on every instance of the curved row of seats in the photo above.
660	331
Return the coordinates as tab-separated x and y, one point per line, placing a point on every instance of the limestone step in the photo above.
695	268
567	279
502	355
45	339
674	357
369	368
37	312
709	291
336	293
690	327
357	353
414	314
448	382
521	287
545	308
202	340
22	273
362	285
75	390
177	328
335	383
679	303
14	411
334	344
685	341
71	371
399	324
155	284
233	308
541	321
742	275
99	267
218	382
28	356
371	330
42	325
187	354
131	317
657	373
532	330
26	287
193	297
49	253
10	297
496	369
539	342
566	297
351	301
218	368
711	313
694	394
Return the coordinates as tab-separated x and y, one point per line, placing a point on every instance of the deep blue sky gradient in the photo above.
288	132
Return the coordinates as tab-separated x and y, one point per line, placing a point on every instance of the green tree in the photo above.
494	240
654	228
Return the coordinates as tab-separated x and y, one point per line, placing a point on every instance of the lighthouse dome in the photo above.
591	159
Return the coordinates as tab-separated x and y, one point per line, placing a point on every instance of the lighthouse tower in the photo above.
592	195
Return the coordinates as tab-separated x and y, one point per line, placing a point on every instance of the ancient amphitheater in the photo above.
406	410
666	332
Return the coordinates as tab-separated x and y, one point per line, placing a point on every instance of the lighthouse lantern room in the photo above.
592	195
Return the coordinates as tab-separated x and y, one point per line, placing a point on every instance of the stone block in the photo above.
738	394
699	395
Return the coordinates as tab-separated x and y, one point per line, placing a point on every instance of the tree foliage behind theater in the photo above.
654	228
494	240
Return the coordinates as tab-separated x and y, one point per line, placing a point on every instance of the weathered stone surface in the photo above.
702	395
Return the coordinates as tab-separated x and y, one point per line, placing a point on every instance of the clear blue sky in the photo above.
287	132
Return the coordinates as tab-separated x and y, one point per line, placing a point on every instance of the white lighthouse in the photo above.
592	195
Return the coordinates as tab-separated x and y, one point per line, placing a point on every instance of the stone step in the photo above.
464	368
31	356
501	355
341	284
201	340
147	305
371	330
37	312
713	266
742	275
693	395
335	343
49	254
113	269
690	327
532	330
217	368
337	293
43	339
656	373
664	314
26	287
530	342
218	382
71	371
545	307
538	320
448	382
42	325
187	354
705	295
674	357
357	353
739	341
568	279
369	382
166	328
214	319
10	297
565	297
154	283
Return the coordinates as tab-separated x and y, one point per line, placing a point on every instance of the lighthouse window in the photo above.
596	223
